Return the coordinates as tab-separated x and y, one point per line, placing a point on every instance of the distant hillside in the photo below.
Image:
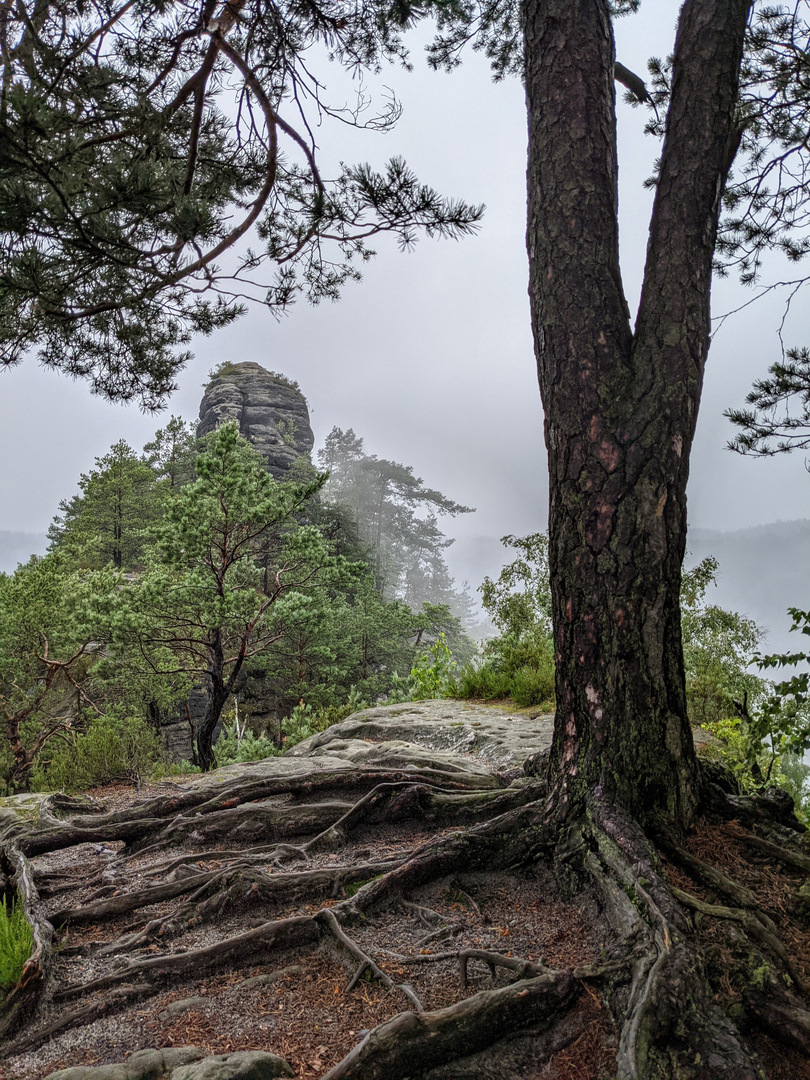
17	547
763	571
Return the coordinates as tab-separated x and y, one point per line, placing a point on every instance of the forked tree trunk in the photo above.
620	405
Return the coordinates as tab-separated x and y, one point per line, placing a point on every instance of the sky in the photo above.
430	358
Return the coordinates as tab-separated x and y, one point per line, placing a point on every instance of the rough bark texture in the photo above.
621	406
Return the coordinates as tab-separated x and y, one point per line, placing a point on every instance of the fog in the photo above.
430	358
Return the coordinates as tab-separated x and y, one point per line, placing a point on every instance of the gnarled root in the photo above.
412	1043
653	975
24	996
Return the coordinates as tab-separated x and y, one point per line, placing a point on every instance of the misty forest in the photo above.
278	795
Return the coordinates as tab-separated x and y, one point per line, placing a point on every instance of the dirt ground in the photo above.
312	1001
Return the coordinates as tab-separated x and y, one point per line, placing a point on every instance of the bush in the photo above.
15	943
516	666
234	746
758	765
112	748
432	674
305	721
176	768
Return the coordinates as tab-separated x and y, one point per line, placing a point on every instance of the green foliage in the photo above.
177	768
767	742
782	719
777	420
52	622
305	721
229	549
111	748
519	663
109	521
207	572
234	746
756	763
396	517
112	225
520	667
432	674
794	777
171	453
16	941
718	648
520	598
436	619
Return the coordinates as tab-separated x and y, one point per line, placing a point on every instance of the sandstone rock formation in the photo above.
270	412
183	1063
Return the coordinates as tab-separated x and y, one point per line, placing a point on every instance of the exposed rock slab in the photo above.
453	732
457	736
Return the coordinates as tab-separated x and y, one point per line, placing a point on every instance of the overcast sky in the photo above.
430	358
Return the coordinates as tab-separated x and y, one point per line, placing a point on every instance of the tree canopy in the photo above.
396	517
142	146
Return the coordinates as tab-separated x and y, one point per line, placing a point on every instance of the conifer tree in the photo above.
205	606
109	520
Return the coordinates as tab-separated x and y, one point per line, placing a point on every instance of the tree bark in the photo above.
218	690
620	406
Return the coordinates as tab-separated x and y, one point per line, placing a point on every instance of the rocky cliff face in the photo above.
270	413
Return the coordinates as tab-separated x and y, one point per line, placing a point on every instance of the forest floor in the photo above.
196	912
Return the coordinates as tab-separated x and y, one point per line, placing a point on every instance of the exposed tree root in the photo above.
667	1015
150	818
411	1043
652	974
87	1014
785	1019
787	855
36	969
274	934
525	969
752	922
328	918
216	888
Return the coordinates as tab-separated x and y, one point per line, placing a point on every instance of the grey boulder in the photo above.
244	1065
183	1063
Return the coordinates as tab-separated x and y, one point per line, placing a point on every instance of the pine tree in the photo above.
205	605
109	520
396	517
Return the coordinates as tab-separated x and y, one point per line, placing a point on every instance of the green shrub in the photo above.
232	746
533	685
176	768
15	943
112	748
304	721
481	680
516	666
432	674
756	764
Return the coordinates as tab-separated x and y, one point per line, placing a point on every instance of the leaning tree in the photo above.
621	783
